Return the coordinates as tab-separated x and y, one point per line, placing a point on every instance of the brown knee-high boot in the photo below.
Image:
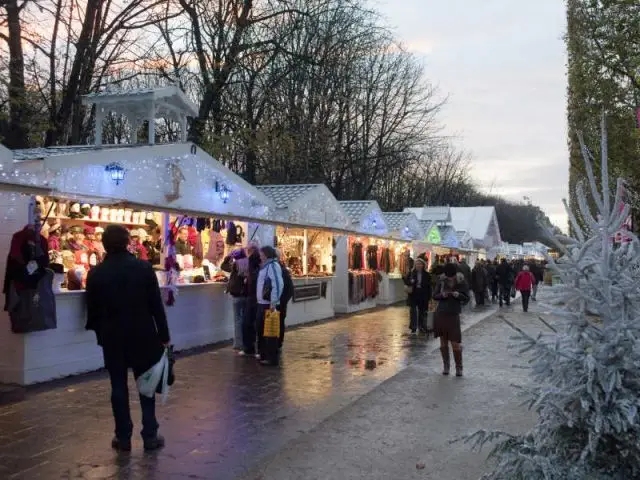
446	360
457	356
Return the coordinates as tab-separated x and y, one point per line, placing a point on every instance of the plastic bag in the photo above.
271	323
149	381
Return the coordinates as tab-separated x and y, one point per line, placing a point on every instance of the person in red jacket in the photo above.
525	280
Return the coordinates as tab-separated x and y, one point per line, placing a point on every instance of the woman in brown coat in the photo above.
451	293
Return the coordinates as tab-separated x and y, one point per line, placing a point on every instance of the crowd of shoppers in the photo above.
258	282
452	284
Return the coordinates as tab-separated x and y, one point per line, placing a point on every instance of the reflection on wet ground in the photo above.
224	413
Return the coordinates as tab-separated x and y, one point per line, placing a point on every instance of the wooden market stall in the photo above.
404	229
363	257
152	189
309	214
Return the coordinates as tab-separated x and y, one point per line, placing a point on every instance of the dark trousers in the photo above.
417	315
479	297
120	406
505	294
267	346
494	290
526	294
249	328
282	308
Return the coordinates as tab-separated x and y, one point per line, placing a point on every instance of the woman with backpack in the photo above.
237	288
451	293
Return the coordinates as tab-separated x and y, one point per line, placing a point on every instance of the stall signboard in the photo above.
307	292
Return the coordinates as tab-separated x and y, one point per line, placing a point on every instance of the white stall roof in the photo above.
480	222
449	237
365	216
439	215
179	177
464	239
308	204
404	225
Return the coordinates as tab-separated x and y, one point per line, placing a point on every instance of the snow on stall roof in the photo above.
474	220
396	220
427	225
29	154
461	235
355	209
432	214
285	195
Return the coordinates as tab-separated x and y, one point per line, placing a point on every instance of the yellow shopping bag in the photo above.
271	323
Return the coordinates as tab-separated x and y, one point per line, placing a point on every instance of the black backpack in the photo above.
236	286
287	288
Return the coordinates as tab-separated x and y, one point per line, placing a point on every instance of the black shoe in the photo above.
121	445
155	443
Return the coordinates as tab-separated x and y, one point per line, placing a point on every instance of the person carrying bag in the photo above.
269	293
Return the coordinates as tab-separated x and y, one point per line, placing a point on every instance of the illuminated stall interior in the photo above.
307	252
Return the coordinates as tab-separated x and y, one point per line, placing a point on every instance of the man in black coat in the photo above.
505	275
125	309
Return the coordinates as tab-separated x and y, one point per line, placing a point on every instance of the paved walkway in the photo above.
404	428
225	413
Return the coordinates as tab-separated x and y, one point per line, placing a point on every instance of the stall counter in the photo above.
392	289
312	300
198	318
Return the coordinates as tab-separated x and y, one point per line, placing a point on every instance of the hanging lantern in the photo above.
223	192
116	172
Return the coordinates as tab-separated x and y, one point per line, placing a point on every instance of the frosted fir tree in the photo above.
585	368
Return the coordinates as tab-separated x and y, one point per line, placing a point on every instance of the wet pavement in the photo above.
406	428
225	413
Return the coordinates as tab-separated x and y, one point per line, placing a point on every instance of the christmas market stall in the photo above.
404	228
308	216
186	213
428	246
363	257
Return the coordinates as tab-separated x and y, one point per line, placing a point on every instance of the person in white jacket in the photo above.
269	290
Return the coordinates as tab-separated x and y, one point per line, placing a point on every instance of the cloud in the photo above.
503	67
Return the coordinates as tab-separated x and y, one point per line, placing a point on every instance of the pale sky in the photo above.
502	64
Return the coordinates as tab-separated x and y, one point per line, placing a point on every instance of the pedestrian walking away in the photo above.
125	310
505	275
451	293
479	282
418	284
524	283
538	272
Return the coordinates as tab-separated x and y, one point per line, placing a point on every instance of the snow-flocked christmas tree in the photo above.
586	370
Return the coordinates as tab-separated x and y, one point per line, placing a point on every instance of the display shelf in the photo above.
90	220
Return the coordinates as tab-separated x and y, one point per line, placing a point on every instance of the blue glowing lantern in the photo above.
223	191
116	172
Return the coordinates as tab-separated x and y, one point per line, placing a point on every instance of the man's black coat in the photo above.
125	309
